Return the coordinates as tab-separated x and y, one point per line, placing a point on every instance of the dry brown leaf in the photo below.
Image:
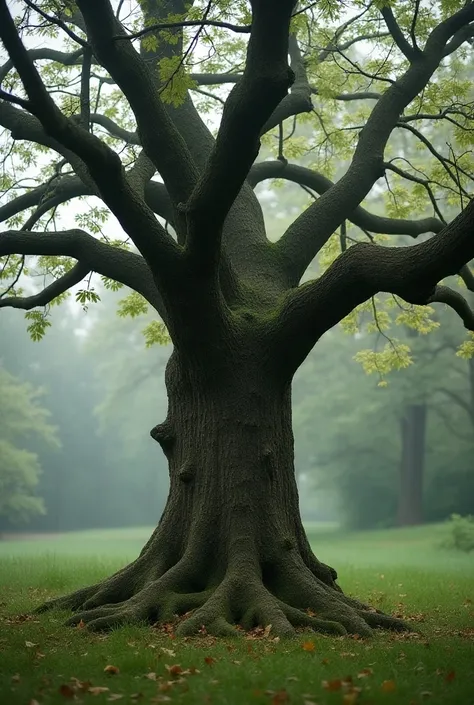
308	646
389	686
209	660
97	689
365	673
174	670
281	696
333	685
111	670
66	691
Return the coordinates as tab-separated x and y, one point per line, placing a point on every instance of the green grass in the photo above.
397	570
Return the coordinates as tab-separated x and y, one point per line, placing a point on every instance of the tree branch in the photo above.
103	163
397	35
158	136
359	216
456	301
315	225
263	85
55	289
412	273
125	267
298	100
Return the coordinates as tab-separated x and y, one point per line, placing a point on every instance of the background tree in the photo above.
21	418
230	544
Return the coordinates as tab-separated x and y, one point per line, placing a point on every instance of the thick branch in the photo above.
55	289
299	99
63	189
359	216
456	301
312	229
159	137
122	266
263	85
103	163
397	35
412	273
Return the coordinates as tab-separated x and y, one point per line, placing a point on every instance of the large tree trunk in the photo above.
413	431
230	548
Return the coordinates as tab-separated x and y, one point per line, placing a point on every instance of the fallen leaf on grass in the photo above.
114	696
308	646
30	645
209	660
66	691
389	686
365	673
333	685
111	670
97	689
267	630
151	676
281	696
174	670
450	676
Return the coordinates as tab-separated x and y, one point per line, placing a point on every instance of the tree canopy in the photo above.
107	109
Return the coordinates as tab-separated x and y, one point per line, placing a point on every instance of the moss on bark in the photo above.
230	548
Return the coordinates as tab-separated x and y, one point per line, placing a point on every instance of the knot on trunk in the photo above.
268	462
164	435
187	473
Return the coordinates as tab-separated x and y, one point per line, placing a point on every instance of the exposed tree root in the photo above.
289	598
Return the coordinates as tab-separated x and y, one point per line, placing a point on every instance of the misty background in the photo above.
366	456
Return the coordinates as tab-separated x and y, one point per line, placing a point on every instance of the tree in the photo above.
230	545
21	417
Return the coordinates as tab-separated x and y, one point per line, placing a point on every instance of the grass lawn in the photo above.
403	571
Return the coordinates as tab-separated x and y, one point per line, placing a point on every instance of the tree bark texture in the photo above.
230	549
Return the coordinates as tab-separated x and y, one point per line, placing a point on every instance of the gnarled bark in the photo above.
230	548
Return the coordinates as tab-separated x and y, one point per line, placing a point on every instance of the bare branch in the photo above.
299	99
114	129
452	298
160	26
55	289
59	23
122	266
